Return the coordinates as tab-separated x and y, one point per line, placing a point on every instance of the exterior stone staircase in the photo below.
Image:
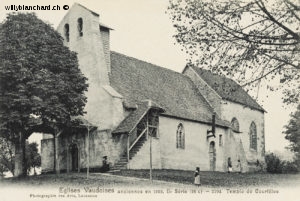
122	163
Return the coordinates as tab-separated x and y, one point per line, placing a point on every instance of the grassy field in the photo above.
218	179
167	184
174	177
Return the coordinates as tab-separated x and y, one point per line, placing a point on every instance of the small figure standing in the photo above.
259	166
105	165
229	165
197	177
239	166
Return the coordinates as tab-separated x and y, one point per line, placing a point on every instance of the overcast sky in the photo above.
143	30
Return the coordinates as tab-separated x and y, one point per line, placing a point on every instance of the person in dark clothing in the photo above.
239	166
105	165
197	177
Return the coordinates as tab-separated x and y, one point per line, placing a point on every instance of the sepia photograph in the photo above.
149	99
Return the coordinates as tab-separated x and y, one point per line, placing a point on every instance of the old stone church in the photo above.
189	119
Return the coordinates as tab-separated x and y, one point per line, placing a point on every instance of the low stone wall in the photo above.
101	143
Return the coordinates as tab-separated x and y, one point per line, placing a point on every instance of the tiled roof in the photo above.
227	88
105	26
81	121
131	120
137	80
134	117
94	13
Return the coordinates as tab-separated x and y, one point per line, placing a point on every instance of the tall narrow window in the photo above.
180	137
67	32
220	140
235	125
80	26
253	136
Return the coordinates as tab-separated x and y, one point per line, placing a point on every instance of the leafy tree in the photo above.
252	41
41	86
292	134
6	156
33	158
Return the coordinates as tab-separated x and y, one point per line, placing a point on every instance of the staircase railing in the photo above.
137	139
129	147
144	121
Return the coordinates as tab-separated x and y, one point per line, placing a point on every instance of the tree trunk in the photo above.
56	154
20	167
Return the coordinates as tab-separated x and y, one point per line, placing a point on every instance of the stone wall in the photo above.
91	57
235	150
238	144
196	152
101	143
104	107
47	155
142	158
106	45
245	116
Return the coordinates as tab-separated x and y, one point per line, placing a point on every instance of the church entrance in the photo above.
212	156
74	157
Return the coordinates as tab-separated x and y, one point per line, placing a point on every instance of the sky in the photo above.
143	30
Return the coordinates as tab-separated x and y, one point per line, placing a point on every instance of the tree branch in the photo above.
288	3
264	9
259	78
282	60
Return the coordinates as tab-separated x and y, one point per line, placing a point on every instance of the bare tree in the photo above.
252	41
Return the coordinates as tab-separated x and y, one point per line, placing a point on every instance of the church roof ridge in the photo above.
140	60
227	88
93	12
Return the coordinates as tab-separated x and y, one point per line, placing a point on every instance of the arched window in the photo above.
180	137
235	125
80	26
67	32
253	136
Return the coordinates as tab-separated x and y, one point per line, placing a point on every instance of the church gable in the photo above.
226	88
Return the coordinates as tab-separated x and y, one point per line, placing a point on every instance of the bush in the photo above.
290	167
275	165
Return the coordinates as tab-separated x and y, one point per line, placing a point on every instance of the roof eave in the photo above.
105	26
194	120
261	109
